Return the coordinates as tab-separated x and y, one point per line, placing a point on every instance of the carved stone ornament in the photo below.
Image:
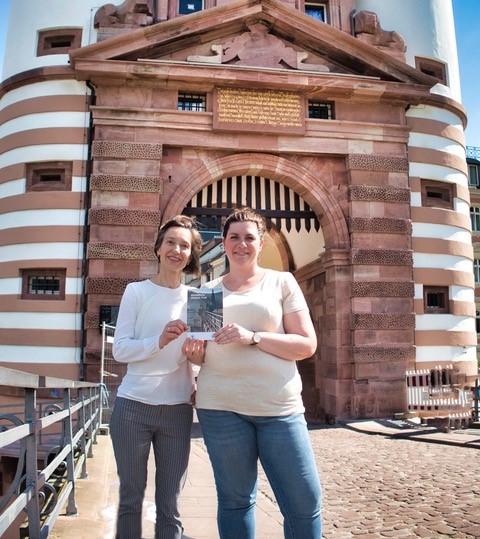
130	14
368	29
258	48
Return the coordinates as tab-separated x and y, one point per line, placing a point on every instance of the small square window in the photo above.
320	110
317	10
473	175
48	284
192	102
433	68
49	176
435	299
437	194
189	6
58	41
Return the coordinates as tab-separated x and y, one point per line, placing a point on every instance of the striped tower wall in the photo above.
44	117
441	237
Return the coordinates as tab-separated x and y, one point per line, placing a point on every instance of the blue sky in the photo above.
468	42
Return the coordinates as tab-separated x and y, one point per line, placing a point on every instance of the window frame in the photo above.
475	168
302	6
432	67
191	95
47	38
188	12
475	218
28	273
444	189
431	309
34	172
476	270
330	105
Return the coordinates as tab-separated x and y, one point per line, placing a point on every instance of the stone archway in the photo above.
282	170
325	282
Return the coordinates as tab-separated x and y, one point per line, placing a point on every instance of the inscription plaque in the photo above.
247	109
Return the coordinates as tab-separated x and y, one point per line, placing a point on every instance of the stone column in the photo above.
382	289
123	224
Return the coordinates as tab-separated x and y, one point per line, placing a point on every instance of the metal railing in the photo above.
473	152
41	493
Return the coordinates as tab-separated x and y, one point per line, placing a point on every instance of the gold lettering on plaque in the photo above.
262	107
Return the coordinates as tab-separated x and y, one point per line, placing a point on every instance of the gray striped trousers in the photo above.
135	427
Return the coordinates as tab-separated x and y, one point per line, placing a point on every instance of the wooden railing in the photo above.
70	424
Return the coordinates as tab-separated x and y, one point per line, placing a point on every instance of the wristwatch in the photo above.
255	338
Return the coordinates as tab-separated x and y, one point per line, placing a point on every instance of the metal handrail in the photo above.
42	493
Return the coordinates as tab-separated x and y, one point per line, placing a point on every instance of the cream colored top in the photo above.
243	378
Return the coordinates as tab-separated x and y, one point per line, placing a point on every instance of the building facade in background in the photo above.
340	120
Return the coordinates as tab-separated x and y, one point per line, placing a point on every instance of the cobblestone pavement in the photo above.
376	486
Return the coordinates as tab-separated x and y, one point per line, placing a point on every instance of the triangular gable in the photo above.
222	34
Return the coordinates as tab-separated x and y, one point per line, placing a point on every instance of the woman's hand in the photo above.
194	349
172	331
233	333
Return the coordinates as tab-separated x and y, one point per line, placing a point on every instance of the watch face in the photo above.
256	338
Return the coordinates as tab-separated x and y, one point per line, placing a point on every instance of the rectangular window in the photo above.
43	284
58	41
477	321
192	102
434	68
49	176
475	218
476	270
317	10
435	299
473	175
189	6
437	194
320	110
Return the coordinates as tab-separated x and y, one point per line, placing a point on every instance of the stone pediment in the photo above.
253	33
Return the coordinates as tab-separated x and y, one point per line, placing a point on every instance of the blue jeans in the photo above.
235	442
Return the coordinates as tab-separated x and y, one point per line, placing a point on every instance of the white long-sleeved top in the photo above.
154	375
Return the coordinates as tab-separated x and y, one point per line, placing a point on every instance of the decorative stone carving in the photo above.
258	48
360	161
108	285
120	182
130	14
382	354
123	217
383	289
378	321
120	251
379	194
367	28
382	257
380	225
126	150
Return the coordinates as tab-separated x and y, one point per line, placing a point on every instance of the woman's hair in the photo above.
241	215
182	221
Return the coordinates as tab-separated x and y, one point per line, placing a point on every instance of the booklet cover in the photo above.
204	312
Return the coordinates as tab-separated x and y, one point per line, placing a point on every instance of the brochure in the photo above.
204	312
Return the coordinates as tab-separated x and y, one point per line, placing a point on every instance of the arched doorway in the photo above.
294	234
308	235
